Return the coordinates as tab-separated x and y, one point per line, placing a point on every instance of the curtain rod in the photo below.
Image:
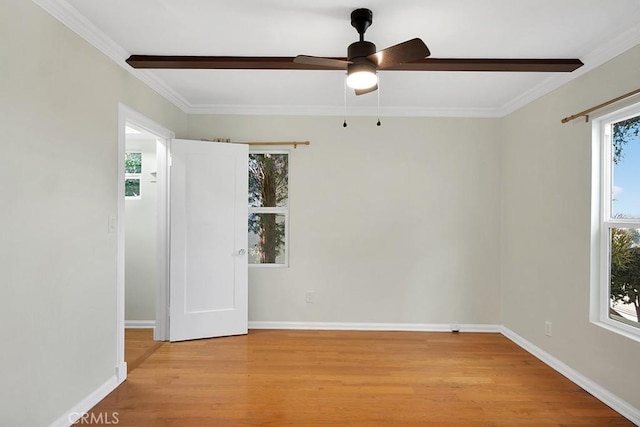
294	143
585	113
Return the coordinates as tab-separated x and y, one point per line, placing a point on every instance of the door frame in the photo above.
164	136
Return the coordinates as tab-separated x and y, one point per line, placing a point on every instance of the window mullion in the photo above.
274	210
618	223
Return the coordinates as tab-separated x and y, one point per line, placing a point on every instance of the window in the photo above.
616	276
268	208
133	172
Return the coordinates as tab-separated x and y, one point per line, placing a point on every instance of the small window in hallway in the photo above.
133	172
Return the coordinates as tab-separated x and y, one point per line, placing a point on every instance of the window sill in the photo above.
619	328
268	266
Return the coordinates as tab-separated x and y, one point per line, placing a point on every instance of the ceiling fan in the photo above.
362	61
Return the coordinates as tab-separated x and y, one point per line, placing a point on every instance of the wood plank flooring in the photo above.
139	345
351	378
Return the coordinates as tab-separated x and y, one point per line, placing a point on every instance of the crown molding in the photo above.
76	22
159	86
592	60
70	17
305	110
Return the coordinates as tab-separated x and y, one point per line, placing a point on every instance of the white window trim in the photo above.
601	223
283	210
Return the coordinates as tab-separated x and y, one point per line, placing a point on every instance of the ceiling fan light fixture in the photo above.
361	76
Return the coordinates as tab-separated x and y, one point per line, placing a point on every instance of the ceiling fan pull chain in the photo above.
344	124
378	124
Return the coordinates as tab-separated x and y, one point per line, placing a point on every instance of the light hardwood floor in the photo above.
138	346
349	378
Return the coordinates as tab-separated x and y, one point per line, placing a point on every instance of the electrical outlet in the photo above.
547	328
309	297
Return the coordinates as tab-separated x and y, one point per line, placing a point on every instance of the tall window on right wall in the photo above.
617	278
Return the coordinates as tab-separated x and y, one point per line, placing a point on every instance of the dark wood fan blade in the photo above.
322	62
410	50
363	91
287	63
486	64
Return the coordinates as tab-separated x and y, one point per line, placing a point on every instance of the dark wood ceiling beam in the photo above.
222	63
286	63
479	64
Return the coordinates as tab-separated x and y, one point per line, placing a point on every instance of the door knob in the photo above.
242	252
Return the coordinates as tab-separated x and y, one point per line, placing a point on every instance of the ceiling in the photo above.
591	30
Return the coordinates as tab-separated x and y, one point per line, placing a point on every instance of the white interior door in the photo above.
208	266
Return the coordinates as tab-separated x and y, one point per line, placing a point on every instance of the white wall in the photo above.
59	117
546	229
398	223
141	256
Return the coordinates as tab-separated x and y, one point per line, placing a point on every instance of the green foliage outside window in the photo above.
625	267
133	163
132	187
268	188
623	132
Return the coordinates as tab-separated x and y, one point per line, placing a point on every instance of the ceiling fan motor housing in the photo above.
360	50
357	54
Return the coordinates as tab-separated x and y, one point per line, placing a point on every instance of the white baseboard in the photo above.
121	372
140	324
347	326
75	413
596	390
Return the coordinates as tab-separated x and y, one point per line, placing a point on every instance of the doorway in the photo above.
142	229
141	261
141	206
